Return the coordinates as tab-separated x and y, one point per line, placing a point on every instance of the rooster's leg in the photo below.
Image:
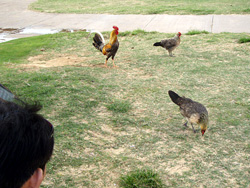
114	63
106	63
193	128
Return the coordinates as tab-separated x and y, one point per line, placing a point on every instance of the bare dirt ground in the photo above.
42	61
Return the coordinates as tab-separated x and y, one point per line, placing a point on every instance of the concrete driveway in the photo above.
15	14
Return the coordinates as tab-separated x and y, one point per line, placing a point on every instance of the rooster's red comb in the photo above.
115	27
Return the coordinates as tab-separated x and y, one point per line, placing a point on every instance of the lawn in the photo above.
113	121
196	7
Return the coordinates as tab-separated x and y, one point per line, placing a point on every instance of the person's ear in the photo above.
37	178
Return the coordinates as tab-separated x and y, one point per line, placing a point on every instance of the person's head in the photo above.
26	145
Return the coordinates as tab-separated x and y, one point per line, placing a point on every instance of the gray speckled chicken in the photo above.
170	44
195	112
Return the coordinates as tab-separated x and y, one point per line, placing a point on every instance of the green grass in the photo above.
24	47
144	178
196	32
119	106
244	40
200	7
111	121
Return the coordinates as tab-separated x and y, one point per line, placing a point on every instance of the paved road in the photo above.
15	14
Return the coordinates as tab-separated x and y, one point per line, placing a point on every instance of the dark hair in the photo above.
26	143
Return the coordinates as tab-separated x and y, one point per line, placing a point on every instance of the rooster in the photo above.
170	44
194	112
110	48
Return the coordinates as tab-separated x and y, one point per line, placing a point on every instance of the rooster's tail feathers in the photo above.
174	97
95	31
157	44
98	42
6	94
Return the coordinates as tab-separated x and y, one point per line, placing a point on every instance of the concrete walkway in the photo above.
15	14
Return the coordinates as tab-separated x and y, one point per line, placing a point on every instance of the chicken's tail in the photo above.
6	94
95	31
98	42
157	44
98	39
175	97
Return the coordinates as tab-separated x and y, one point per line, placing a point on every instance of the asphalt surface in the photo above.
15	14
